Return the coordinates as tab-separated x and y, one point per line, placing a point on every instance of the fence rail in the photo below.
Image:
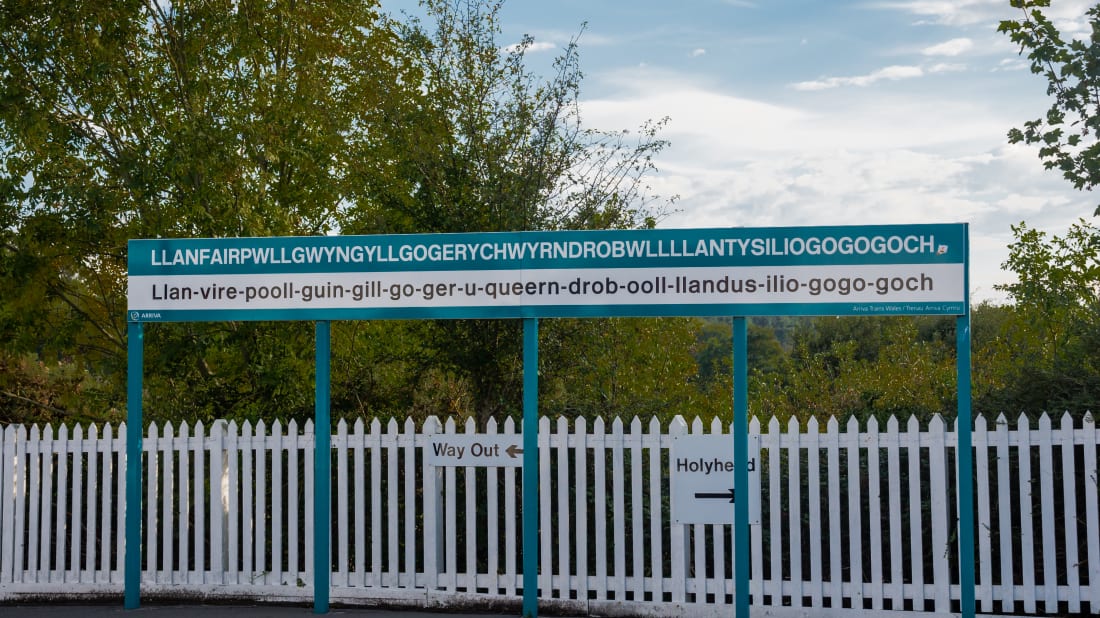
862	518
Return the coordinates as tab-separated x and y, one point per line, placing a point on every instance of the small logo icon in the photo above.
134	315
941	250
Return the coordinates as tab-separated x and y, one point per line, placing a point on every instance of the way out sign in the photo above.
701	481
494	450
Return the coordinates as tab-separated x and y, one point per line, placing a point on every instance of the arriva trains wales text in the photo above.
548	250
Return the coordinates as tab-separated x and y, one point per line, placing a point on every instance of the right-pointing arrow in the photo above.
716	496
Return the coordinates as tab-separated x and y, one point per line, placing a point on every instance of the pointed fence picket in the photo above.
841	517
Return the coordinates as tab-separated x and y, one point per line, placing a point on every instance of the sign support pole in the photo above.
965	464
322	459
741	467
530	467
135	358
964	459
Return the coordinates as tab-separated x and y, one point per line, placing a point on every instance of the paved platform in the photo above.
213	611
17	610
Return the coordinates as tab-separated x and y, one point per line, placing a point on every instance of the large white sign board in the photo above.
861	270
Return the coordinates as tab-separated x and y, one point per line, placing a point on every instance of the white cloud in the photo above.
954	47
946	67
951	12
587	37
1011	64
710	122
1026	205
851	158
533	48
891	73
1067	15
698	51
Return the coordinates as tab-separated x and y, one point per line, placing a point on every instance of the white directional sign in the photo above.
702	479
493	450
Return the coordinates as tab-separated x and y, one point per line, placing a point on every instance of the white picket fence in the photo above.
860	519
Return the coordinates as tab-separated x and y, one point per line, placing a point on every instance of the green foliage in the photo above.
127	119
1067	135
862	366
1057	280
122	120
131	119
620	367
485	145
242	370
34	391
1045	350
1047	346
713	351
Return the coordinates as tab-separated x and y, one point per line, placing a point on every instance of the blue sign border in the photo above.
818	246
775	246
550	311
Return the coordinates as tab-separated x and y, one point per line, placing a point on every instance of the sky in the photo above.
823	112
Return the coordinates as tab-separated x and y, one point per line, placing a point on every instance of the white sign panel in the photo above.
861	285
492	450
701	479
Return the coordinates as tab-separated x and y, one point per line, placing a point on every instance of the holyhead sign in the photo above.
849	270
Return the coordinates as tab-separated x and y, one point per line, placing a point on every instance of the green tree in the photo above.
863	366
139	119
996	342
1057	280
1043	355
713	351
490	146
1067	135
142	119
1049	343
621	367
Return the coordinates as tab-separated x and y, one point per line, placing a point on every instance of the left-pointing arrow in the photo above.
513	450
724	495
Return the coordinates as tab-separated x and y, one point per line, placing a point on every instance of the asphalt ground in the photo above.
16	610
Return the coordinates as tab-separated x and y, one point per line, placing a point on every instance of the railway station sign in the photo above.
841	270
919	269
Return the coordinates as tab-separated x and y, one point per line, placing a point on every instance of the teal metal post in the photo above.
530	467
965	461
135	361
741	467
322	457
